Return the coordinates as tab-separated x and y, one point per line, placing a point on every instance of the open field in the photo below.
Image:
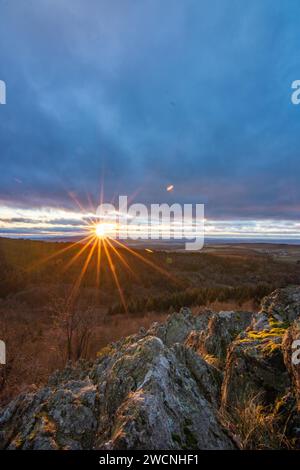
273	251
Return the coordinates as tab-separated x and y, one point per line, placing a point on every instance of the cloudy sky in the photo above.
140	94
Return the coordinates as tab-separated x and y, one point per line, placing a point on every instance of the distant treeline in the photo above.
195	297
155	281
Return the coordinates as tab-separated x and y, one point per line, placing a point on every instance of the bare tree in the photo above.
75	325
15	338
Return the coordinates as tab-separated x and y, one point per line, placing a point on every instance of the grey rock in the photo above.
222	329
291	351
254	368
178	326
161	389
145	392
282	306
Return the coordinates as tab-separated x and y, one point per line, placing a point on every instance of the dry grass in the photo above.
254	426
36	344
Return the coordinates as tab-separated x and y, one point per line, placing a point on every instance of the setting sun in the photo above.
103	230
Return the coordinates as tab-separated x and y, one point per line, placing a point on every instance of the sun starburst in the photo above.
101	238
104	230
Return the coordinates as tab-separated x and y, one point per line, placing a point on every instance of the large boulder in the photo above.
291	350
280	307
255	368
179	325
222	329
255	362
145	392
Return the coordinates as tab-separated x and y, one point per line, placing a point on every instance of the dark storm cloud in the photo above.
148	93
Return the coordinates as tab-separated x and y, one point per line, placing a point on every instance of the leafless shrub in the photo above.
75	327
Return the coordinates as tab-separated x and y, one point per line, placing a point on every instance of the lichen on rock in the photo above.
168	387
148	391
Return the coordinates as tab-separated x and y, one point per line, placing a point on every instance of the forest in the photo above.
52	311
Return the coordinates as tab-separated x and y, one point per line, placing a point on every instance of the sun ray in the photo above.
91	204
113	270
123	261
80	252
98	263
58	253
82	273
80	206
132	196
150	263
101	239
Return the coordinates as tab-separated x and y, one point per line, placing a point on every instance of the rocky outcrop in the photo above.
255	367
255	363
167	387
291	352
179	325
281	307
222	329
145	392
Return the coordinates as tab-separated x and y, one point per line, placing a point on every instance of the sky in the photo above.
134	95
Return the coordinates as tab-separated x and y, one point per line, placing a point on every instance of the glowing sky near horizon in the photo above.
61	223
